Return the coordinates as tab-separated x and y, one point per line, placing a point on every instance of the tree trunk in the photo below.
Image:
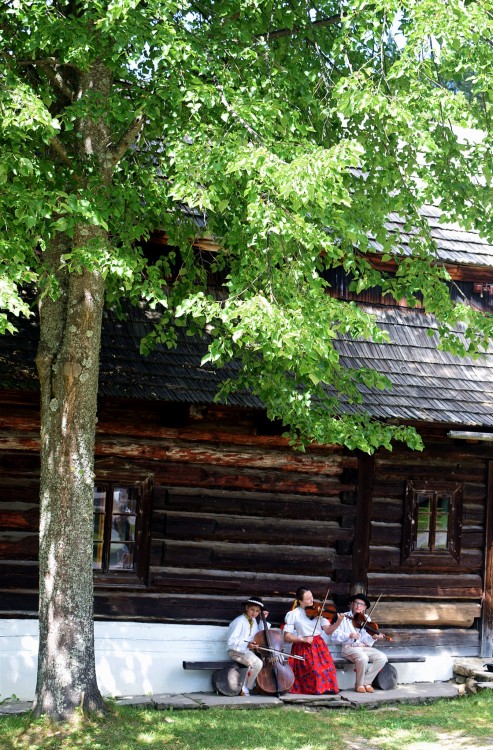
68	366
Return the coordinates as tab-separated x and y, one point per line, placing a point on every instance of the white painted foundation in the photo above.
142	659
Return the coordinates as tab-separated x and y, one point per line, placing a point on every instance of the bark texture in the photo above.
68	364
68	367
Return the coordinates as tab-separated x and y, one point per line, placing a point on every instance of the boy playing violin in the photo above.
357	645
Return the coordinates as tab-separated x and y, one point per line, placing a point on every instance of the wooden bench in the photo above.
228	676
386	679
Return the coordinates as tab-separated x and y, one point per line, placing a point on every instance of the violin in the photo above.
360	621
317	609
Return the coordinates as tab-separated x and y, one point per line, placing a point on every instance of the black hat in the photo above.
256	601
362	597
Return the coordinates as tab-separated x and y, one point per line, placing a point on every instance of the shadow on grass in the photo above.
453	724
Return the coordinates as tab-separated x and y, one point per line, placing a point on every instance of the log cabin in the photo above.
199	505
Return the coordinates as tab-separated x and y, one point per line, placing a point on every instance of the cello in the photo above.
275	677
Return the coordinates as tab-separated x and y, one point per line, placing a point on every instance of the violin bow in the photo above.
321	610
372	609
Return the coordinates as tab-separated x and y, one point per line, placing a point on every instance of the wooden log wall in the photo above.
236	514
241	533
439	576
19	533
433	590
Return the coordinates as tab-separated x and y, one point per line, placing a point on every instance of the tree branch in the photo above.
49	67
127	139
62	153
330	21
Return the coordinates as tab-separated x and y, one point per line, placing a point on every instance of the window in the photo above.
432	523
121	523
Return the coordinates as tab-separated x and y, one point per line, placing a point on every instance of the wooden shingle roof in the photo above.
455	245
173	375
428	384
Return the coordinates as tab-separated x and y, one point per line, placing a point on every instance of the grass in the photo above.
451	724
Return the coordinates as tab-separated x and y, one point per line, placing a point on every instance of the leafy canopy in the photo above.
295	130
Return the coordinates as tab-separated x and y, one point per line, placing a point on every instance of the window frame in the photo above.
139	574
414	490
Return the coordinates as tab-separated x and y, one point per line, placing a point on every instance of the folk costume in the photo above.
357	647
316	674
242	630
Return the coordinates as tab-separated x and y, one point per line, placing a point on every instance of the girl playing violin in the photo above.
357	644
316	674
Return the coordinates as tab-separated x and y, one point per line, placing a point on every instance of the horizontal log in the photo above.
20	580
18	545
188	526
255	557
23	463
22	603
390	488
14	420
427	585
437	614
196	608
19	574
219	428
185	583
475	493
16	490
472	538
267	584
170	446
227	478
388	509
326	508
415	637
473	513
385	533
444	468
24	517
390	558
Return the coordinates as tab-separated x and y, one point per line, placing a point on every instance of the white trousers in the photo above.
367	661
250	660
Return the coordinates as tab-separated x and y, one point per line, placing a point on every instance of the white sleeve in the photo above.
289	620
236	636
342	633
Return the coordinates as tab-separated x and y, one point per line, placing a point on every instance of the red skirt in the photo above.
317	674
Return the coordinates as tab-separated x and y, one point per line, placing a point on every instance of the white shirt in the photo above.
241	633
346	629
298	623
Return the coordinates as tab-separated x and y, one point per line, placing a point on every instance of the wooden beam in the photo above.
430	614
362	530
487	614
